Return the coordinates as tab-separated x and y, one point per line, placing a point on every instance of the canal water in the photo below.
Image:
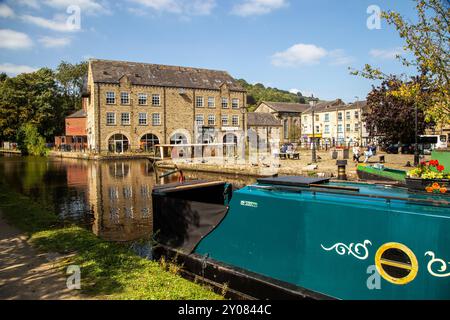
111	198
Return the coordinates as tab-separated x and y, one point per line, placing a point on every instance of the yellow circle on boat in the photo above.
396	263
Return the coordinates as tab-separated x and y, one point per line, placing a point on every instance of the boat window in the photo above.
396	263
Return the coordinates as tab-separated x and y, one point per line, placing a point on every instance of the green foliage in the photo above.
109	270
390	116
30	142
43	98
427	38
258	93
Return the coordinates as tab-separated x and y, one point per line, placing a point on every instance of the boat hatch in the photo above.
294	181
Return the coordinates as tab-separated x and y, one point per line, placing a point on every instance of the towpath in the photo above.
26	274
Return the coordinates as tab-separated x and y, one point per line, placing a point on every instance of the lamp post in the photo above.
244	112
416	145
312	103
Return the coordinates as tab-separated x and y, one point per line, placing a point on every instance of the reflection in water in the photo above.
112	198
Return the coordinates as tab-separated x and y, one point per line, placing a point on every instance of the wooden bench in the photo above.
293	156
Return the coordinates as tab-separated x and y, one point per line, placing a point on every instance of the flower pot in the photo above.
416	184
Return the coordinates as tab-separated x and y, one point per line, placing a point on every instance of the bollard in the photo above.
342	166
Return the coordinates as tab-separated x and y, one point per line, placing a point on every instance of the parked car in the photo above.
404	148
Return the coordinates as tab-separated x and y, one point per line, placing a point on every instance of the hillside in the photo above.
257	93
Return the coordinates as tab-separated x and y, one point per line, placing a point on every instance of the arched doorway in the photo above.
178	138
118	143
148	143
230	141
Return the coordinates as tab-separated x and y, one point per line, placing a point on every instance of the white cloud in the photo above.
88	6
29	3
59	23
299	54
51	42
309	54
183	7
6	11
257	7
338	57
305	93
10	39
386	54
13	69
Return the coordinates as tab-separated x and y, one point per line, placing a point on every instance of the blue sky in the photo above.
288	44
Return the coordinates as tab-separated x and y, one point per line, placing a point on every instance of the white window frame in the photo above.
142	96
199	102
211	120
327	129
235	103
141	117
340	128
108	118
348	115
225	121
327	117
156	123
156	97
348	127
211	102
122	98
125	123
199	120
110	96
224	103
235	123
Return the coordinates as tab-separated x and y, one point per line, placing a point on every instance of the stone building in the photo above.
133	106
75	138
264	132
336	124
290	115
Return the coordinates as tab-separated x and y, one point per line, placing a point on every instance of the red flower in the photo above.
440	168
434	163
424	163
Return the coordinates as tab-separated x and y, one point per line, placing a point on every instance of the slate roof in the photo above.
336	105
107	71
79	114
287	107
256	119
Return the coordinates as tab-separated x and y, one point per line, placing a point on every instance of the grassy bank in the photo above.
108	270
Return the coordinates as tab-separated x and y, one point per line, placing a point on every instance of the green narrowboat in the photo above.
310	238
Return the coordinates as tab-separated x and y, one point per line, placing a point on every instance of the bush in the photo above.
30	142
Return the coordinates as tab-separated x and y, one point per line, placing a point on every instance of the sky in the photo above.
296	45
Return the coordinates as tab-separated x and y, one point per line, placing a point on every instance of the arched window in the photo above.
178	138
148	142
118	143
230	141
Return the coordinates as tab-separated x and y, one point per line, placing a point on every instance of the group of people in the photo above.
370	152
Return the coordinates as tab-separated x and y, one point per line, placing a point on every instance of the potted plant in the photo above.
430	177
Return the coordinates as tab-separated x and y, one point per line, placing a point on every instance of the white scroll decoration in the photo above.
359	250
440	266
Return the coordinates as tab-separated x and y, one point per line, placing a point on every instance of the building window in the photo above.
142	99
286	129
199	120
327	117
142	119
199	102
348	115
340	116
235	121
224	121
125	119
211	120
356	115
148	143
124	98
340	128
211	102
317	129
224	103
156	100
110	118
235	103
305	119
110	98
317	118
327	129
356	127
348	127
156	119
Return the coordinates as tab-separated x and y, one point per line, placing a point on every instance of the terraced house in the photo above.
131	107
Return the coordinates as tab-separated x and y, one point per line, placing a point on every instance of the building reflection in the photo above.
120	198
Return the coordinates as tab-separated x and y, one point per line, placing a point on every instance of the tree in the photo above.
428	40
30	142
389	117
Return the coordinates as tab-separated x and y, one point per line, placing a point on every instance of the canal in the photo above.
111	198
